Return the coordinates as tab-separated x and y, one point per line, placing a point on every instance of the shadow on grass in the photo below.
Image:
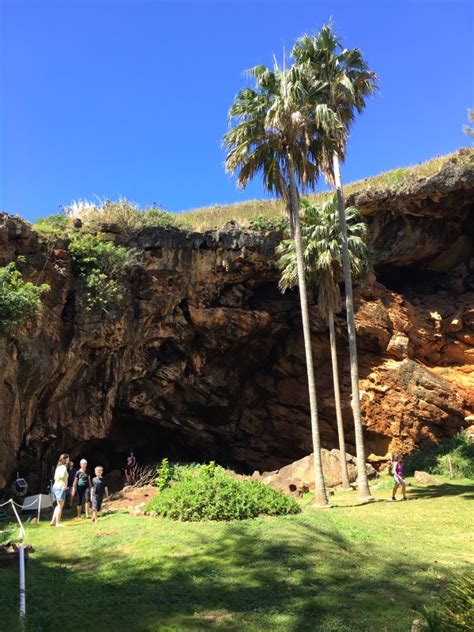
296	580
444	489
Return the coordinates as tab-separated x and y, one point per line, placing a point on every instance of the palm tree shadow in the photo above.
306	579
443	489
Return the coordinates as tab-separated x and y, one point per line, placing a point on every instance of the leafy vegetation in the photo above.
101	266
453	458
455	612
261	222
56	225
19	299
209	493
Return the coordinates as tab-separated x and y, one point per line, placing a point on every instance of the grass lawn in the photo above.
350	568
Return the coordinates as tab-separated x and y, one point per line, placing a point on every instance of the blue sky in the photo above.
130	98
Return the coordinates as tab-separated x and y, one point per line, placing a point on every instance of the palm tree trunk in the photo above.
319	486
362	482
337	400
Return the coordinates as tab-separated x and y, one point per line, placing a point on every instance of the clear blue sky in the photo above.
117	98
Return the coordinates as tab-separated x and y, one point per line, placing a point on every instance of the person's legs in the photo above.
88	503
55	513
60	512
404	490
394	490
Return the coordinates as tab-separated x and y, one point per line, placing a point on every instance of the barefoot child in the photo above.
98	490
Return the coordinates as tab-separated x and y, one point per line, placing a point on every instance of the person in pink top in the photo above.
399	481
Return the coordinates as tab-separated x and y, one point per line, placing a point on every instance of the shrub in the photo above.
455	612
261	222
165	474
53	225
19	299
101	266
157	217
209	493
453	457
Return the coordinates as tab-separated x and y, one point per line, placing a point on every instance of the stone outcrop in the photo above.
204	357
298	477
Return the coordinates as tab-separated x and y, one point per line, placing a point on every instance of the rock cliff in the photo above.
204	359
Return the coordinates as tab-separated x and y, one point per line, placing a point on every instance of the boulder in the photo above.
423	478
298	477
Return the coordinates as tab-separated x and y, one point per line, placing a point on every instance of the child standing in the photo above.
399	481
98	490
82	485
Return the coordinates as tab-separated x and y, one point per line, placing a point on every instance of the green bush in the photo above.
457	451
455	612
53	225
19	299
261	222
209	493
156	216
101	266
165	474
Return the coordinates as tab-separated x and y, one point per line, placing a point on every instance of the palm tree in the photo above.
348	82
273	135
323	266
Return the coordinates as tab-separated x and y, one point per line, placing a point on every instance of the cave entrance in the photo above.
148	440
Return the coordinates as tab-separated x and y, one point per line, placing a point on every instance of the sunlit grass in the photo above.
350	568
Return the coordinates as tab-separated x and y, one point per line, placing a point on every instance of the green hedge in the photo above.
209	493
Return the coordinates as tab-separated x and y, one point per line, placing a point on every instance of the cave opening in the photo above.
149	441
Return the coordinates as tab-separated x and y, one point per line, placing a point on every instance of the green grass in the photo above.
351	568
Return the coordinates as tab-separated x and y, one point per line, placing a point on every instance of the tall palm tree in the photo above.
348	82
274	136
324	269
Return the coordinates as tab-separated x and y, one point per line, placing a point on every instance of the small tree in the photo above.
101	266
19	299
324	269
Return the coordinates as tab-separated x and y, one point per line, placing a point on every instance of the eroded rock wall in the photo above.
204	357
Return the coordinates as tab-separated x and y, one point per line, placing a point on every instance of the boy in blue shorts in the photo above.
97	492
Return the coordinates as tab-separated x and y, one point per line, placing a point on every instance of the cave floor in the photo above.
351	568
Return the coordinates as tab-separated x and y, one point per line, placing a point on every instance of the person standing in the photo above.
70	482
399	481
82	486
130	469
60	489
97	492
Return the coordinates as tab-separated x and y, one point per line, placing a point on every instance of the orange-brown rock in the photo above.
203	359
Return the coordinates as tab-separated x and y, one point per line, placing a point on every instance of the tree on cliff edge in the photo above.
324	269
275	135
347	82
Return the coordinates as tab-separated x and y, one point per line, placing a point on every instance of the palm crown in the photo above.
344	81
273	121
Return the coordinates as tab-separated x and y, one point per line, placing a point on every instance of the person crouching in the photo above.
97	492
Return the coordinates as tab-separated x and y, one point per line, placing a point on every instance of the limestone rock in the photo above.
298	477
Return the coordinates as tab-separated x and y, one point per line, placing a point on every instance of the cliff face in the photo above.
204	357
